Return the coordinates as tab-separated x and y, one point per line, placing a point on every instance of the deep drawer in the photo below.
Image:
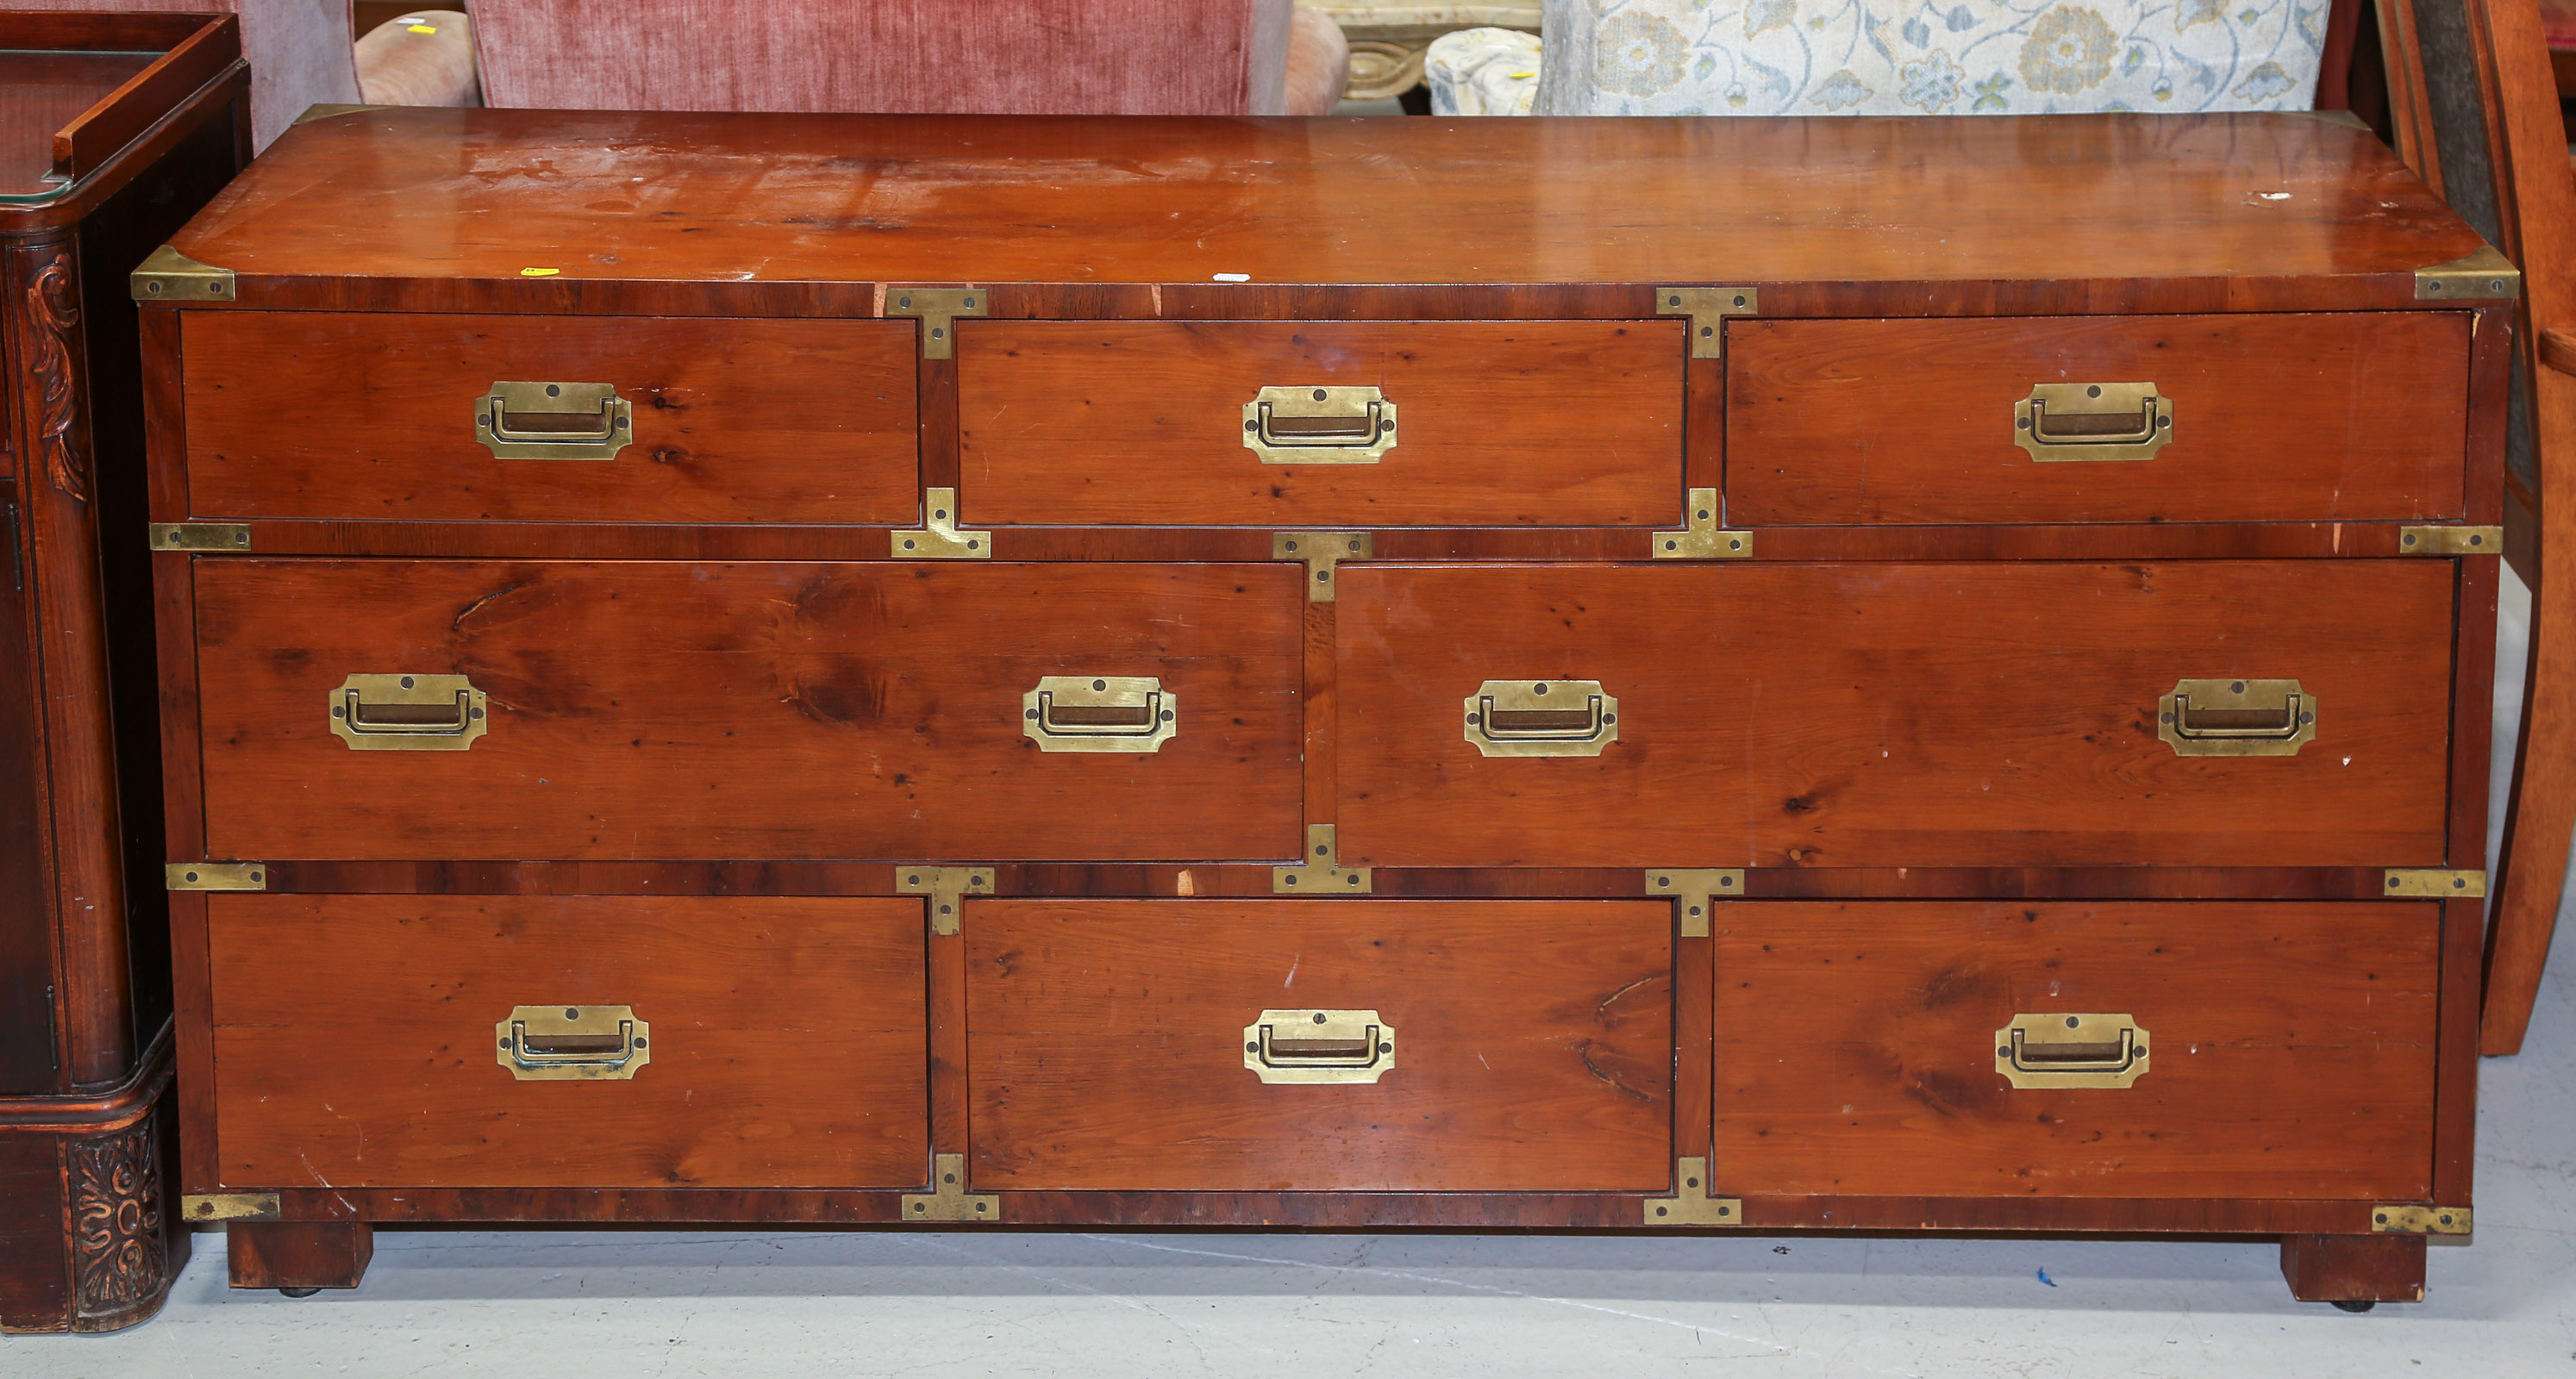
1470	1046
581	710
2358	416
1951	715
385	417
2234	1049
720	1043
1425	423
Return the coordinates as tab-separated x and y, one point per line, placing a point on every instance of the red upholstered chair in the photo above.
298	50
1117	57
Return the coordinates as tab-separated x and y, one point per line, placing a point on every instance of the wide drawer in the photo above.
1956	715
580	710
1465	1046
400	1041
2357	416
1418	423
337	416
2244	1050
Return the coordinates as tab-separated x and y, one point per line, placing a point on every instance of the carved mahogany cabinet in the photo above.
1629	675
114	128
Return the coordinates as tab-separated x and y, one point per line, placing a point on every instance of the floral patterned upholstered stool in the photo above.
1388	41
1928	57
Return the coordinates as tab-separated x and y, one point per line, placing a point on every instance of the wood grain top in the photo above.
430	194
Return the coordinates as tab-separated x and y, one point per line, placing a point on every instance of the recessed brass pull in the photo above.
2093	421
1319	1046
573	1043
1085	713
1541	718
2061	1050
408	713
2237	718
1319	425
553	421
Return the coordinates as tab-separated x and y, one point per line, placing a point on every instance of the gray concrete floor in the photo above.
738	1304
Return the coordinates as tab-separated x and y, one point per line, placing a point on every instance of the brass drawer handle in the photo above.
2237	718
2093	421
2062	1050
1087	713
573	1043
553	421
1319	1046
1541	718
408	713
1312	425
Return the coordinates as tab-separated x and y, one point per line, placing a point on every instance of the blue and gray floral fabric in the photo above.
1928	57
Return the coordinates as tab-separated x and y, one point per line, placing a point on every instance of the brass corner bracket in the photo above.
1707	308
2450	540
1691	1203
939	309
201	536
2432	883
1322	873
2485	276
1702	540
2400	1220
170	276
939	537
324	110
229	1206
1693	892
215	876
948	1199
947	887
1321	550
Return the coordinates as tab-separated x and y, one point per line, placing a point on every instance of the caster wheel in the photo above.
308	1292
2355	1306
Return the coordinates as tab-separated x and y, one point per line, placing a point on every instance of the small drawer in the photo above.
456	418
1319	1046
557	1041
2076	1049
2199	713
612	710
2355	417
1321	423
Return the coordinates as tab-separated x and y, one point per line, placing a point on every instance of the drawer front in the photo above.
2358	416
379	417
1881	715
1493	423
709	711
765	1042
1527	1045
2279	1050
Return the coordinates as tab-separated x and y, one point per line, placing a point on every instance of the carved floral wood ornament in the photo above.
119	1260
53	318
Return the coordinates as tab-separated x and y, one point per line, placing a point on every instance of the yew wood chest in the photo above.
1630	675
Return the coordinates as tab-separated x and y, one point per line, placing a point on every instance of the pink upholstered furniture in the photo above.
1118	57
299	51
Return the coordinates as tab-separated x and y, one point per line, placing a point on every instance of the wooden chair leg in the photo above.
2538	824
2354	1271
299	1256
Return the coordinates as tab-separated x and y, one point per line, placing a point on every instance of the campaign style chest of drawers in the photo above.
1628	675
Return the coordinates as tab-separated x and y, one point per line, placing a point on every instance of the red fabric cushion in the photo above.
2558	22
1116	57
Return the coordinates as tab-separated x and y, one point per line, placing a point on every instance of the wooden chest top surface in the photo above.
427	194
